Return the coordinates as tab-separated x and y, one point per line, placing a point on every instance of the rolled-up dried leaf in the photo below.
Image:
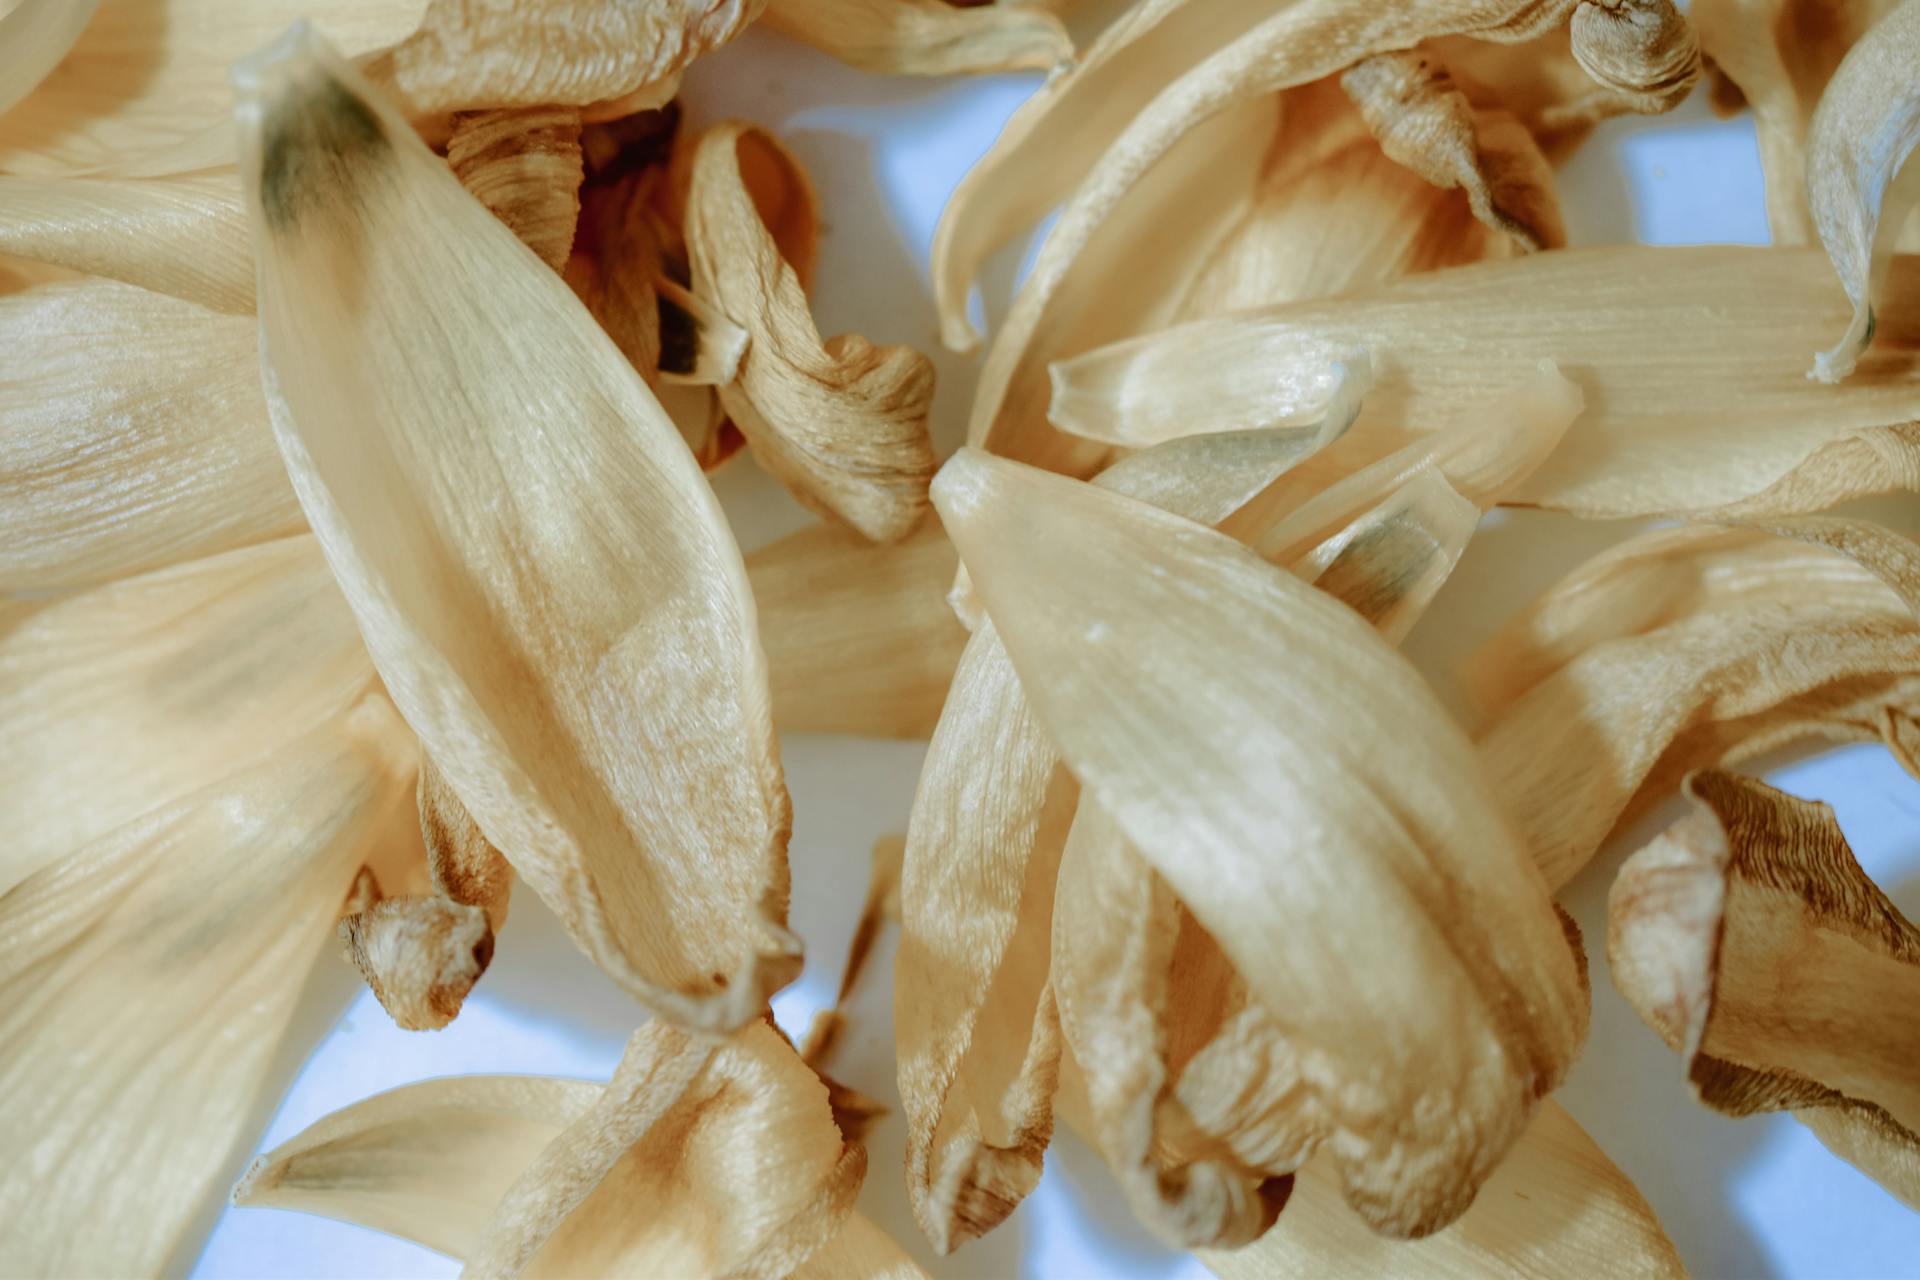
926	37
1781	54
1858	182
122	699
1691	648
34	36
841	422
182	235
859	637
146	85
1556	1206
1748	936
543	577
608	57
134	436
973	1015
1163	700
1661	423
525	166
146	980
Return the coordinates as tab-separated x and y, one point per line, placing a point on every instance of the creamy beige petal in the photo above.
525	166
926	37
1748	936
1556	1206
841	422
182	235
134	436
859	637
699	1159
1685	649
1871	460
149	76
426	1162
1423	121
1781	54
146	980
1167	700
1389	564
610	57
1694	388
545	581
118	700
1858	185
34	36
973	1016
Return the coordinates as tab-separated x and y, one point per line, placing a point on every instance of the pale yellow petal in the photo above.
926	37
135	436
116	701
146	980
859	637
1690	359
1168	700
34	36
1388	565
842	422
544	579
1867	124
1750	939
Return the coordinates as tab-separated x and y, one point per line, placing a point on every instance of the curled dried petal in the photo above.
842	422
1858	182
525	166
421	956
572	720
1642	52
34	36
926	37
1750	939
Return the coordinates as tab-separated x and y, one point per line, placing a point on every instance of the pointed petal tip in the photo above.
296	51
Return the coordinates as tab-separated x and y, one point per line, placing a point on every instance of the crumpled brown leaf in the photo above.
481	465
1750	939
926	37
842	423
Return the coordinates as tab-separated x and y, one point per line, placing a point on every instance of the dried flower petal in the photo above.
1867	124
1674	378
1750	939
118	700
1198	798
525	166
1387	565
1642	52
926	37
146	980
181	235
34	36
1689	648
973	1015
605	56
574	721
859	638
842	423
1556	1206
135	436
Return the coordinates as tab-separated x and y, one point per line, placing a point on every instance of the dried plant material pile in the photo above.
369	378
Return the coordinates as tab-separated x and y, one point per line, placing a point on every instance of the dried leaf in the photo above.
1674	378
525	166
181	235
926	37
1556	1206
1424	122
859	638
1389	1053
573	721
1748	936
1867	124
607	57
145	89
117	701
973	1015
146	980
842	423
134	436
1688	648
667	1134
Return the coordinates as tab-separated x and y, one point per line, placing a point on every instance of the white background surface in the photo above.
1757	1197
